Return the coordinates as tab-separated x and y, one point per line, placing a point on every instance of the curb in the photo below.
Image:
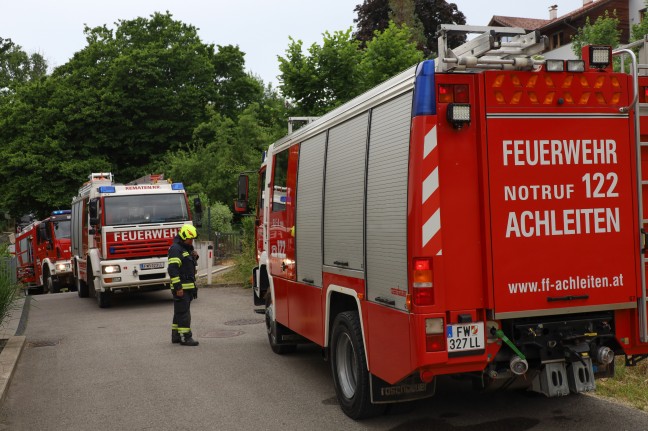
8	360
12	350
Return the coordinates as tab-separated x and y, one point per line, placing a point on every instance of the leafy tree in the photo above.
428	15
318	81
338	70
387	54
604	31
17	67
129	97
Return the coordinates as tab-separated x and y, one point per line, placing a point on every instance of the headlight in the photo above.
110	269
63	267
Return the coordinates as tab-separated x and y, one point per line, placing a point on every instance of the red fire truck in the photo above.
480	214
43	253
121	234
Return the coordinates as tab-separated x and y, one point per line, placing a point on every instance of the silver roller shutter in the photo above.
387	201
344	194
308	231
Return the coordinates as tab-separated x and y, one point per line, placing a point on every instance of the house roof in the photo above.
538	24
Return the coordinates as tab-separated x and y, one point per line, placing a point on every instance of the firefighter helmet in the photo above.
187	232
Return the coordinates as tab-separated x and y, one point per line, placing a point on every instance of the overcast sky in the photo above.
260	28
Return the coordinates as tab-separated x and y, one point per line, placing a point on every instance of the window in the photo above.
279	182
142	209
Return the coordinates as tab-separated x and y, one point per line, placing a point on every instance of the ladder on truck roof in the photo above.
494	48
641	110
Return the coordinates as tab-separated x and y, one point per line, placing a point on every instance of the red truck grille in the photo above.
135	249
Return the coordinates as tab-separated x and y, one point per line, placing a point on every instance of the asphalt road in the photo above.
85	368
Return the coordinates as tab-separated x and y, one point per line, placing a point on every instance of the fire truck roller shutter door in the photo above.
309	210
344	194
387	200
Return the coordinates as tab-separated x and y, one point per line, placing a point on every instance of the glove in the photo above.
195	293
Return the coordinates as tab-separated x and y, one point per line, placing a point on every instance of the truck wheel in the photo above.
104	299
272	327
81	285
51	285
348	365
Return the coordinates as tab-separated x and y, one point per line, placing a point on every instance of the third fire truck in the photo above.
121	234
43	253
478	214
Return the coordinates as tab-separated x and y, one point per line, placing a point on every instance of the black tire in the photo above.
81	285
104	299
349	368
49	283
272	327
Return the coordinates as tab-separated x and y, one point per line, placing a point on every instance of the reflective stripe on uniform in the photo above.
174	326
188	286
175	280
175	260
184	330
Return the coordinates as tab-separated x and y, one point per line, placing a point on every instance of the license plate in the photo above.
155	265
463	337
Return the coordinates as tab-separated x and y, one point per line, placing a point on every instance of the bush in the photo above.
9	291
246	260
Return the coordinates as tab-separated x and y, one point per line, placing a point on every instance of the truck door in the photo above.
282	214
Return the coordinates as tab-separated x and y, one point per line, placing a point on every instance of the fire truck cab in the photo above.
478	214
121	234
43	254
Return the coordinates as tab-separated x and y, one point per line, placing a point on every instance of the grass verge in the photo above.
629	385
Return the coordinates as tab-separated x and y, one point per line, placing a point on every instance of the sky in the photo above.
54	28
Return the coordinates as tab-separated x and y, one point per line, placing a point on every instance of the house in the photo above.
559	29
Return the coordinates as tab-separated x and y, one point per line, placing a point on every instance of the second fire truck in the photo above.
480	214
43	253
121	234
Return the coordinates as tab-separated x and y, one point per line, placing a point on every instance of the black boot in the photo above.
175	337
186	340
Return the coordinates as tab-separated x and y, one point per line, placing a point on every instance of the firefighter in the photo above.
182	270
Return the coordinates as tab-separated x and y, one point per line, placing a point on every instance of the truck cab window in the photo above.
279	184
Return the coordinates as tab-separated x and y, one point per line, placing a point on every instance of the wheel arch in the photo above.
338	300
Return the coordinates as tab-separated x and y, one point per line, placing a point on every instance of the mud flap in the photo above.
409	389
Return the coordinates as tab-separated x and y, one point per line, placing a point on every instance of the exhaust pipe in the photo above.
518	365
604	355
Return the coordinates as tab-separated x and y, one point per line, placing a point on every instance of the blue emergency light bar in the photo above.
59	212
177	186
424	93
106	189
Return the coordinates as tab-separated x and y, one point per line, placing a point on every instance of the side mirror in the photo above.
198	209
241	202
197	205
93	211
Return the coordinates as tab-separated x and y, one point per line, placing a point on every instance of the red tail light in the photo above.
453	93
422	285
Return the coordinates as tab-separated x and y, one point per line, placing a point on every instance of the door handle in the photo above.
283	266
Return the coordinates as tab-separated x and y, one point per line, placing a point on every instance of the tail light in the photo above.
453	93
422	285
434	335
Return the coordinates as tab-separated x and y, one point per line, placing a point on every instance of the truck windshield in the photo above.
62	229
143	209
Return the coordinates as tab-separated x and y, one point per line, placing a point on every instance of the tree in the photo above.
604	31
129	97
317	82
387	54
17	67
338	70
375	15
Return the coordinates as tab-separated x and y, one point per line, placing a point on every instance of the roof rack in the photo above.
494	48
